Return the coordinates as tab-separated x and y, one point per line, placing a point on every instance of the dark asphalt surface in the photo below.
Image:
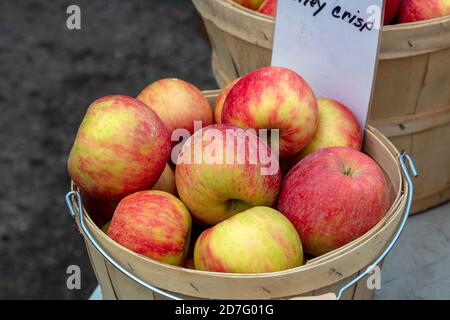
48	77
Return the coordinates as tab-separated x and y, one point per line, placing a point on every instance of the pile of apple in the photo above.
234	203
400	11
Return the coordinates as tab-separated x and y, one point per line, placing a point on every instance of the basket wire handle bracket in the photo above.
403	159
75	194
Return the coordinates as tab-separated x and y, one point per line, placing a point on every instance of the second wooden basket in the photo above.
412	93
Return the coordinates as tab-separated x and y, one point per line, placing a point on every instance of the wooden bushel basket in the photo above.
411	104
123	274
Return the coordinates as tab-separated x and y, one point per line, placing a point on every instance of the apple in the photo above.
391	10
274	98
257	240
121	147
251	4
332	197
223	170
178	103
269	7
418	10
154	224
102	210
166	181
338	127
220	101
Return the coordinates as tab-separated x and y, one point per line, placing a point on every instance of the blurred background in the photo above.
48	77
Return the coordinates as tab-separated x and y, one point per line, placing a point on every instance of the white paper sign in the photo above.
333	45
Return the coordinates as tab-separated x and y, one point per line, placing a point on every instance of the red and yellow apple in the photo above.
223	170
221	100
418	10
154	224
338	127
102	210
251	4
332	197
274	98
257	240
269	7
166	181
121	147
178	103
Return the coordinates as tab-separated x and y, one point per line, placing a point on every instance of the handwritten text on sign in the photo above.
333	44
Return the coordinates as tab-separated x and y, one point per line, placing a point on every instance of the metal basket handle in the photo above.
73	213
412	167
330	296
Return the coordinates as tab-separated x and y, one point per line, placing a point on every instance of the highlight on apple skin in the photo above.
269	7
333	197
251	4
221	100
178	103
419	10
258	240
220	173
274	98
154	224
121	147
338	127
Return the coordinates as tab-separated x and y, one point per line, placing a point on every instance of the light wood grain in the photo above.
101	272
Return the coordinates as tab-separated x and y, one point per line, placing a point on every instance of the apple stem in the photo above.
347	171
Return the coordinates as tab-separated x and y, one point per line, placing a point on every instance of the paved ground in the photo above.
419	265
49	75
